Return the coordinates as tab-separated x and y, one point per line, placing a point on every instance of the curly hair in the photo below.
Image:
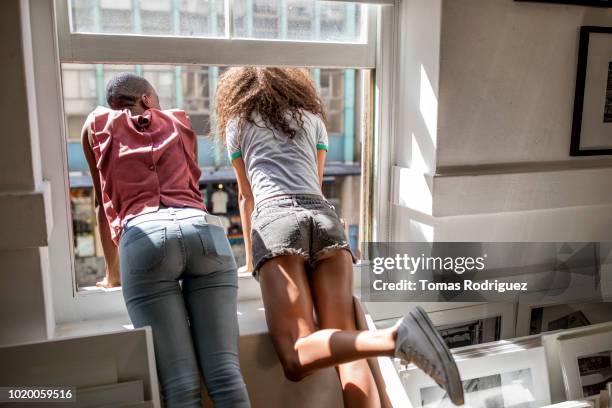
278	95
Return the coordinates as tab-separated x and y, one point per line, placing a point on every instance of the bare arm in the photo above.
246	204
321	155
111	253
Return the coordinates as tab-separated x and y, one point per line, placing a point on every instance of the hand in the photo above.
112	278
247	267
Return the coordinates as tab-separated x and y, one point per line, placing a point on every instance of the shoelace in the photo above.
425	365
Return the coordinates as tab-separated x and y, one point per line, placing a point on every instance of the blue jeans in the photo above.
194	323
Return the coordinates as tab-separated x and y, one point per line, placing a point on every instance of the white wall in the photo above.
25	296
500	168
507	80
417	82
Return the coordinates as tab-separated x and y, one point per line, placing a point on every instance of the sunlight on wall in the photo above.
412	189
418	161
428	104
421	232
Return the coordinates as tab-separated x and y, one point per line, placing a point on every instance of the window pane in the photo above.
192	89
305	20
204	18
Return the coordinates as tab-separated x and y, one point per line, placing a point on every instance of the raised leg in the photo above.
289	312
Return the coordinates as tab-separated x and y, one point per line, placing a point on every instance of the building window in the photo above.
200	18
182	47
304	20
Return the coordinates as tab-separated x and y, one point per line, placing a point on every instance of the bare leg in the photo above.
332	288
289	313
362	324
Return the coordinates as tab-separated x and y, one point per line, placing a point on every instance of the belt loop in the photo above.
294	200
172	213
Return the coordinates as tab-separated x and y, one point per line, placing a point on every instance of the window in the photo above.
299	20
304	20
196	18
192	89
182	46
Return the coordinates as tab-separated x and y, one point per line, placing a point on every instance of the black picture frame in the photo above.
588	3
581	76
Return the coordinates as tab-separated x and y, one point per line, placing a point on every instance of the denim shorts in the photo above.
305	225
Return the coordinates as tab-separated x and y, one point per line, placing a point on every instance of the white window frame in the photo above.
377	53
224	51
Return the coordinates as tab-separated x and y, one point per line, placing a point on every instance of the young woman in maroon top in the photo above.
149	100
172	258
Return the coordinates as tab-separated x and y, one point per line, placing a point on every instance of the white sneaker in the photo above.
419	342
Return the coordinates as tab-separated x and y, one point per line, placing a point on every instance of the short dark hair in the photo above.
125	89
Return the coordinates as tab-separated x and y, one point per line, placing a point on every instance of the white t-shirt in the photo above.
219	202
276	164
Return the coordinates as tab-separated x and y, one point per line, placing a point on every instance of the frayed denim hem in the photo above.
324	251
275	254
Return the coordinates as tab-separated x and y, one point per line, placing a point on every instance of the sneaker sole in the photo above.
455	393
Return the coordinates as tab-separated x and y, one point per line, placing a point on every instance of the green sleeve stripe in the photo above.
236	155
321	146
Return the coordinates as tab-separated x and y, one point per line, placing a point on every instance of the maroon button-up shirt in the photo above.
144	161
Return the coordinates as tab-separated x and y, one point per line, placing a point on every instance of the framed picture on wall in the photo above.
592	125
592	3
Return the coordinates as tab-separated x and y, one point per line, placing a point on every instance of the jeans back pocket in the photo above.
214	241
144	249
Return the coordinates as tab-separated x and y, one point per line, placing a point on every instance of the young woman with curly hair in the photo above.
273	123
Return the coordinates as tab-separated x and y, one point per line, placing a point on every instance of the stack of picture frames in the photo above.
576	306
592	120
561	369
499	374
585	358
460	324
572	404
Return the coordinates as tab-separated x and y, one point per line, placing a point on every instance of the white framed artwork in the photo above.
572	295
517	378
586	363
468	325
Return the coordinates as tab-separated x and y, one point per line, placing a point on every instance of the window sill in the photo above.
251	321
248	288
91	290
